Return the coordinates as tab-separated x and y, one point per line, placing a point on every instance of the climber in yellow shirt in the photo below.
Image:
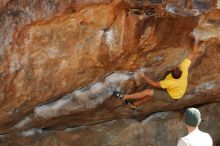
170	89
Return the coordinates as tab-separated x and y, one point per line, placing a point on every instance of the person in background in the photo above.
195	137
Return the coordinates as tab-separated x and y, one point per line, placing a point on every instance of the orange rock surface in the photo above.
60	61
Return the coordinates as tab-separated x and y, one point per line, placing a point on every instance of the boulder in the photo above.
61	61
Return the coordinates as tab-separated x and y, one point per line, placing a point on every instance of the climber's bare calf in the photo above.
140	95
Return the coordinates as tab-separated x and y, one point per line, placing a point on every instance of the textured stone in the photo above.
60	61
162	128
54	54
48	48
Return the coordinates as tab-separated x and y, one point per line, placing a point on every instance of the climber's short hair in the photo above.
176	72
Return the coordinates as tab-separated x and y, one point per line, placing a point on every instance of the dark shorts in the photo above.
162	94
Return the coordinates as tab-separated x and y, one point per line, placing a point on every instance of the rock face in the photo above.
163	128
60	62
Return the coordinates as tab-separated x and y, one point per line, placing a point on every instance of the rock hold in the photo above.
178	10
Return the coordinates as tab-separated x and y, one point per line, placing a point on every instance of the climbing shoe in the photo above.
118	95
131	104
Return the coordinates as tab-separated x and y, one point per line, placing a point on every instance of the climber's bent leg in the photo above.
161	94
139	95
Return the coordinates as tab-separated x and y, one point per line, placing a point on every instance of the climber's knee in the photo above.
162	95
148	92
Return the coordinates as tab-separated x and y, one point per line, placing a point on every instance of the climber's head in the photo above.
176	72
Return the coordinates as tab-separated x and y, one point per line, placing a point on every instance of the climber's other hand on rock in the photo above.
141	74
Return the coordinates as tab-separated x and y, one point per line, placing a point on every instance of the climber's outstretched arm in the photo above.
194	53
149	81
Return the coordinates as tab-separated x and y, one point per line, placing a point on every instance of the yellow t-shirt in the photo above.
177	87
